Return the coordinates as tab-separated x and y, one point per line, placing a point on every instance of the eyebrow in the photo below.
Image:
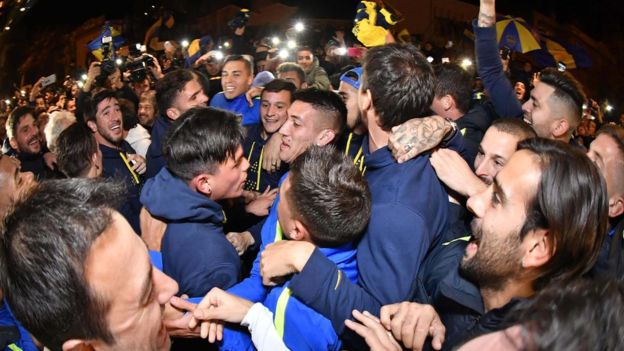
499	190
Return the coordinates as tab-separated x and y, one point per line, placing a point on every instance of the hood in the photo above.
171	198
313	66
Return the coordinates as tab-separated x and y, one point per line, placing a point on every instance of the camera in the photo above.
240	20
138	68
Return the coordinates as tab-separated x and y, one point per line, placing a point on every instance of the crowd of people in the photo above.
326	202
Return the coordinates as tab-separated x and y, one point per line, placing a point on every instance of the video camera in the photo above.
107	67
240	20
138	68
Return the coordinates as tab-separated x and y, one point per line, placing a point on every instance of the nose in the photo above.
285	129
245	165
477	203
203	98
527	106
165	287
487	170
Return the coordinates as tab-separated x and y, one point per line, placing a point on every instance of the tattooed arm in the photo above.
418	135
487	13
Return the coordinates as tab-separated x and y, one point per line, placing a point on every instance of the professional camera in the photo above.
138	68
240	20
107	67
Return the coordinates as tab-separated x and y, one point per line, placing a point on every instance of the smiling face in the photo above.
274	110
494	151
235	79
228	180
108	124
496	253
119	270
349	95
305	59
537	110
27	137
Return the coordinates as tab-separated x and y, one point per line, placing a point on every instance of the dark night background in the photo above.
600	19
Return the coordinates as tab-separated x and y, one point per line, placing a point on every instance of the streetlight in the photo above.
299	27
275	40
283	54
185	43
466	63
291	44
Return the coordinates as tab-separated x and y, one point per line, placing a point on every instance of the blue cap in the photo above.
353	77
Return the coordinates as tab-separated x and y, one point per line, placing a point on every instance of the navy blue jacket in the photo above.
154	156
409	213
115	167
610	262
194	249
490	70
34	163
253	146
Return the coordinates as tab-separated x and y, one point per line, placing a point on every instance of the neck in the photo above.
377	137
93	172
453	114
264	135
360	129
496	298
103	141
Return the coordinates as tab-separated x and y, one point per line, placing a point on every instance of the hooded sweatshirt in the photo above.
195	252
316	77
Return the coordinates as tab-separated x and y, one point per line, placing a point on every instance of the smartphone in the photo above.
49	80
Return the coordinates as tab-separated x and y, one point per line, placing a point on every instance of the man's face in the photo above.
27	138
292	77
71	105
305	59
496	253
213	68
230	177
349	95
13	183
235	79
40	103
140	87
537	111
109	123
146	113
519	89
118	269
302	129
274	110
604	152
191	96
494	151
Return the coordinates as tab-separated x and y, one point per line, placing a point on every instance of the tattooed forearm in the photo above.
418	135
486	20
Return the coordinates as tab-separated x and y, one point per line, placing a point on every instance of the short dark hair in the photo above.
329	195
92	103
582	315
44	244
292	67
450	79
15	117
514	126
128	114
277	85
401	82
201	139
168	87
330	104
305	48
75	147
568	91
248	63
571	203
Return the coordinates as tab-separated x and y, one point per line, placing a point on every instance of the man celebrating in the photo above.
26	144
176	93
236	78
119	159
94	288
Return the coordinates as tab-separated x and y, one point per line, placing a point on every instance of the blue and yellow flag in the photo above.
152	36
107	31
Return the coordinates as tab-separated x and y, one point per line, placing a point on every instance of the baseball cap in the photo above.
353	77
